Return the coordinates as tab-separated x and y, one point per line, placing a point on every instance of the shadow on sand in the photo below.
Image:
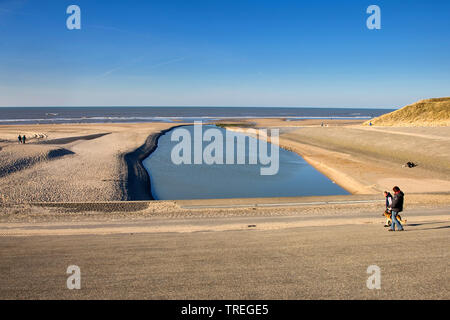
72	139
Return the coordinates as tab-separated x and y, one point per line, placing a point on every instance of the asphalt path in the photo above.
309	262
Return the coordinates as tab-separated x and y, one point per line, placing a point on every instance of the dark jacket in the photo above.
397	202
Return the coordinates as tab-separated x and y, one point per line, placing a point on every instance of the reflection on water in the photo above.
188	181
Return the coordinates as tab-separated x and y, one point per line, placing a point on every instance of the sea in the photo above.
49	115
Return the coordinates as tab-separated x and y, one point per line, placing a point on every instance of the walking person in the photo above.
20	138
388	197
24	139
396	208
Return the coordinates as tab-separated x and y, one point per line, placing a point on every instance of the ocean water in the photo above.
47	115
201	181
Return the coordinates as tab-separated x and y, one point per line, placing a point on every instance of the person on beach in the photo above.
20	138
24	139
396	208
388	197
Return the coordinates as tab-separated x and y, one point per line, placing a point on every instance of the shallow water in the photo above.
201	181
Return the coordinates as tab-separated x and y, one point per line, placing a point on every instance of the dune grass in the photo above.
430	112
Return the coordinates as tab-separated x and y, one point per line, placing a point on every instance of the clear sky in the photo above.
223	53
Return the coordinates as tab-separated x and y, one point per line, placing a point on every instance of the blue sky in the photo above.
223	53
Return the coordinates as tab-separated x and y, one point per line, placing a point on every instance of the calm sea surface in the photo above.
45	115
188	181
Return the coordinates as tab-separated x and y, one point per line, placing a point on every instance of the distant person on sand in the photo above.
24	139
396	208
20	138
388	197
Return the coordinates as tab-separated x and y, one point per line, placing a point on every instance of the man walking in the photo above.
20	138
396	208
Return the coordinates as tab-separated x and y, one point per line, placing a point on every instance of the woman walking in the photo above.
396	208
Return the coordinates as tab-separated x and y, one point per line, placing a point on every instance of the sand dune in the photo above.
429	112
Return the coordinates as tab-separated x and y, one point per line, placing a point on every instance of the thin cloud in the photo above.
109	72
129	63
157	65
119	30
166	63
108	28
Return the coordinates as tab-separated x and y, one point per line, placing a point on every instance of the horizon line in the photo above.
194	106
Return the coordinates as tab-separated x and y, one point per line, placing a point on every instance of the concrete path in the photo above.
299	262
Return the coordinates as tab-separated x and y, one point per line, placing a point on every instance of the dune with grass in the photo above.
425	113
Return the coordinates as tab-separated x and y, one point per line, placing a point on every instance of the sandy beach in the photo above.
75	181
101	162
72	163
369	160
